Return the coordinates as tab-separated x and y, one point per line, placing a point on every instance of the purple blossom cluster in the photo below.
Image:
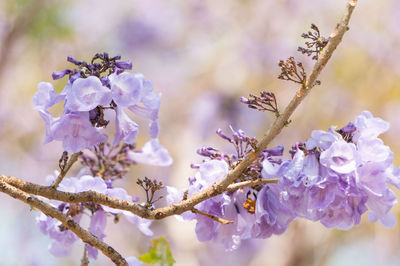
62	238
338	175
91	91
334	177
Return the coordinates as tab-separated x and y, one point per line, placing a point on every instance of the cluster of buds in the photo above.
107	161
316	43
150	187
265	102
292	70
101	64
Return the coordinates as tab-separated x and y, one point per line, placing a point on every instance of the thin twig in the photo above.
68	222
215	218
64	171
85	258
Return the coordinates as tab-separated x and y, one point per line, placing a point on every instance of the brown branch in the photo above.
251	183
92	196
65	220
221	186
87	196
272	132
64	171
215	218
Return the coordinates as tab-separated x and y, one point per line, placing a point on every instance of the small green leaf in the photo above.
159	253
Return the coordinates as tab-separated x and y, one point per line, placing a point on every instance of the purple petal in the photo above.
340	157
369	127
212	172
88	182
276	151
46	96
142	224
126	89
154	129
86	94
126	129
76	132
152	153
127	65
60	74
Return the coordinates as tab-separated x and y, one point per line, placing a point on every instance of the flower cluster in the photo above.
91	91
334	178
338	175
62	238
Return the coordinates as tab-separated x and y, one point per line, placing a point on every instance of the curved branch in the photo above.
274	130
226	183
65	220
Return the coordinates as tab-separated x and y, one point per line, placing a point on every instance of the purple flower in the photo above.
126	88
62	240
86	94
340	157
369	126
372	178
60	74
126	129
373	150
46	96
322	139
78	130
344	212
127	65
272	217
142	224
212	172
276	151
75	131
152	153
97	226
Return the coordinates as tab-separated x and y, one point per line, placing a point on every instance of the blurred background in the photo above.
202	55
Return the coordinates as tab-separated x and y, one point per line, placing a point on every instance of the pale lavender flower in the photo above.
86	94
152	153
272	217
76	132
97	226
46	96
142	224
126	88
62	241
322	139
126	129
212	171
369	126
88	182
340	157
